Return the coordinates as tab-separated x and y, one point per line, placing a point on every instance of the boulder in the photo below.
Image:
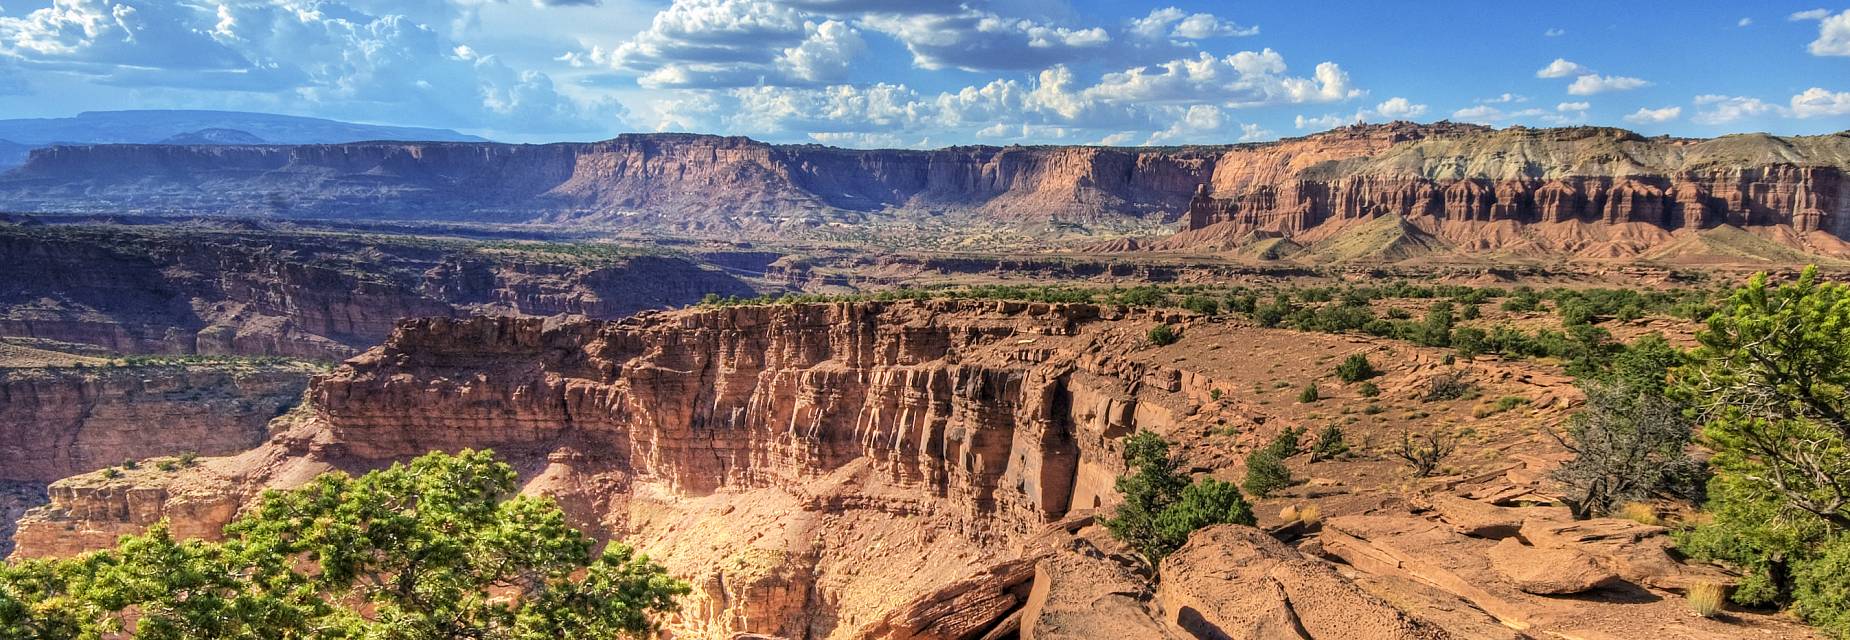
1231	581
1548	571
1476	519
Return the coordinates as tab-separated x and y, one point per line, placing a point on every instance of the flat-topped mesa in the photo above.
1590	175
953	397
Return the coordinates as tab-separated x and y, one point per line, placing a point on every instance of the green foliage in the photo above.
1162	335
1368	390
439	548
1288	442
1330	444
1309	394
1265	473
1770	381
1356	368
1436	329
1821	588
1161	506
1201	304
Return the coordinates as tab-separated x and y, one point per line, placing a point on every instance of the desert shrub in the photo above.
1309	394
1628	444
1424	452
130	463
1265	473
1446	386
1469	341
1214	394
1356	368
1201	304
112	473
1310	514
1640	512
1161	506
1368	390
1821	588
1162	335
1329	444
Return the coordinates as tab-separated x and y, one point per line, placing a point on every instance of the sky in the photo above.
928	73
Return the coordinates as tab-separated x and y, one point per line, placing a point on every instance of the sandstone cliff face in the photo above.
59	422
306	295
1589	175
919	469
727	185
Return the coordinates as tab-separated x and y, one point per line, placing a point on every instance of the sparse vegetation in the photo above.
1628	444
1446	386
1265	473
1368	390
1309	394
1356	368
1330	444
1161	506
1424	452
1706	598
1162	335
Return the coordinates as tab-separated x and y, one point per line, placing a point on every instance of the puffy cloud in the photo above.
1593	83
1195	122
1400	108
330	56
1561	68
1719	109
978	40
1247	78
1816	102
1654	116
1573	106
1481	114
1176	23
1251	132
1833	35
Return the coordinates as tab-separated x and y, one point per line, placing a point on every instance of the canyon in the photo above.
177	289
936	468
1589	192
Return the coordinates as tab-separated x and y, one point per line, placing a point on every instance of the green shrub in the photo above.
1162	335
1368	390
1265	473
1356	368
1446	386
1310	394
1426	451
1821	588
1329	444
1161	507
1201	304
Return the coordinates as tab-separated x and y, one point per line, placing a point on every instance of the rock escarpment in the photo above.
324	296
690	183
912	469
62	421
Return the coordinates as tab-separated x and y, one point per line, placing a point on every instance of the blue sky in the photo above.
933	73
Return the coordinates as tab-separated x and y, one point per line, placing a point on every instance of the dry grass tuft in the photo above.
1310	515
1640	513
1705	598
1289	513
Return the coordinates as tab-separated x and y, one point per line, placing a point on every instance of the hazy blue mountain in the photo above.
152	126
214	136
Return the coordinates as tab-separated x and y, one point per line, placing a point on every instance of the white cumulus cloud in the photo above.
1593	83
1560	68
1654	116
1816	102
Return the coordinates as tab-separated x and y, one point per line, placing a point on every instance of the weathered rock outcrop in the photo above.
59	422
313	295
1459	175
691	183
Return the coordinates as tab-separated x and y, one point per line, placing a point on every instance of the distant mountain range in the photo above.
152	126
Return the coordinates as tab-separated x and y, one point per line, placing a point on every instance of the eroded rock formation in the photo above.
692	183
324	296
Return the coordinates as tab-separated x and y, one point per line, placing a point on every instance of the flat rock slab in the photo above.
1548	571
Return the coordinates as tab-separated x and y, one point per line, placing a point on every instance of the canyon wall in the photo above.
57	422
753	449
322	296
696	184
